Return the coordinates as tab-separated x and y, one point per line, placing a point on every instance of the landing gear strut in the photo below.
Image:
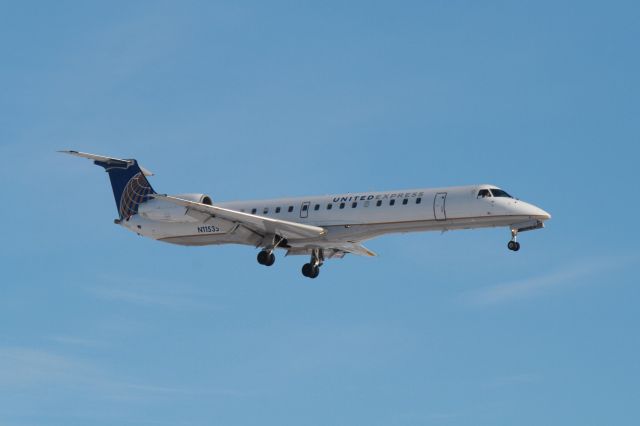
513	244
312	269
266	256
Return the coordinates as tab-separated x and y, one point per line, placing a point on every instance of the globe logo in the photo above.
135	193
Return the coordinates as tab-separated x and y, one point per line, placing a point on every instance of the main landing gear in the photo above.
513	244
266	257
312	269
309	270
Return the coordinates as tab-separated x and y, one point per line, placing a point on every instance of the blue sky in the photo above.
246	100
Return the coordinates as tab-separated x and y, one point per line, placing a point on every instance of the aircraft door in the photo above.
304	209
439	206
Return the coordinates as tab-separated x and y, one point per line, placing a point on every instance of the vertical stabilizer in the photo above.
128	181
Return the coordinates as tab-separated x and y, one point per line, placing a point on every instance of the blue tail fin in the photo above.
128	181
130	186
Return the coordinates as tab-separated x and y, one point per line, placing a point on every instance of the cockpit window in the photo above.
500	193
484	193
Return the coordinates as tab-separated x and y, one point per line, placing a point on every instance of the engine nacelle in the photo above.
165	211
196	198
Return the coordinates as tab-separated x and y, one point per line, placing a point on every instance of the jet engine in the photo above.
164	211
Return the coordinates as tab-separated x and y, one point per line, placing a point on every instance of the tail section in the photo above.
128	181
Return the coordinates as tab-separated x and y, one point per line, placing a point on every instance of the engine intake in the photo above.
196	198
164	211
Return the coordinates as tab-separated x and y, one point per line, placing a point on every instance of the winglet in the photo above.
369	252
358	249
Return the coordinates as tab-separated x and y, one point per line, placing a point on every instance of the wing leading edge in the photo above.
262	225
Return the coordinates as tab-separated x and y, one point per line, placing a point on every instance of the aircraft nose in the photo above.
532	211
540	214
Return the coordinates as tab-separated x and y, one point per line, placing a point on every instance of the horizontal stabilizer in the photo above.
106	160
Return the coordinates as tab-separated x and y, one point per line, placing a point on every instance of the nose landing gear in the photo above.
513	244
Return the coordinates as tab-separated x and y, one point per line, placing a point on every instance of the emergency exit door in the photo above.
304	209
440	205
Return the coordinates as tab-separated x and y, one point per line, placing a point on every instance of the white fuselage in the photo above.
352	217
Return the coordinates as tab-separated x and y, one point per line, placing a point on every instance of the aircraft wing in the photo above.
259	224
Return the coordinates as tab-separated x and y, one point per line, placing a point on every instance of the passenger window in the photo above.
277	209
290	209
379	203
342	205
305	207
483	193
254	211
405	201
418	200
266	210
317	207
392	202
354	205
329	206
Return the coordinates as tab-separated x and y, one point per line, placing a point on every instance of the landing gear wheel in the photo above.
266	258
517	247
316	272
513	245
271	260
310	271
307	270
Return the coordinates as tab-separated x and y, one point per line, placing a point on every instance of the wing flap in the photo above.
259	224
332	249
355	248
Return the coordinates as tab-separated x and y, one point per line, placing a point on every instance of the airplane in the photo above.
322	227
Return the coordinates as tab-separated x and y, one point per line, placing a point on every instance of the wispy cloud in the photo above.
22	367
28	368
76	341
522	289
172	295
